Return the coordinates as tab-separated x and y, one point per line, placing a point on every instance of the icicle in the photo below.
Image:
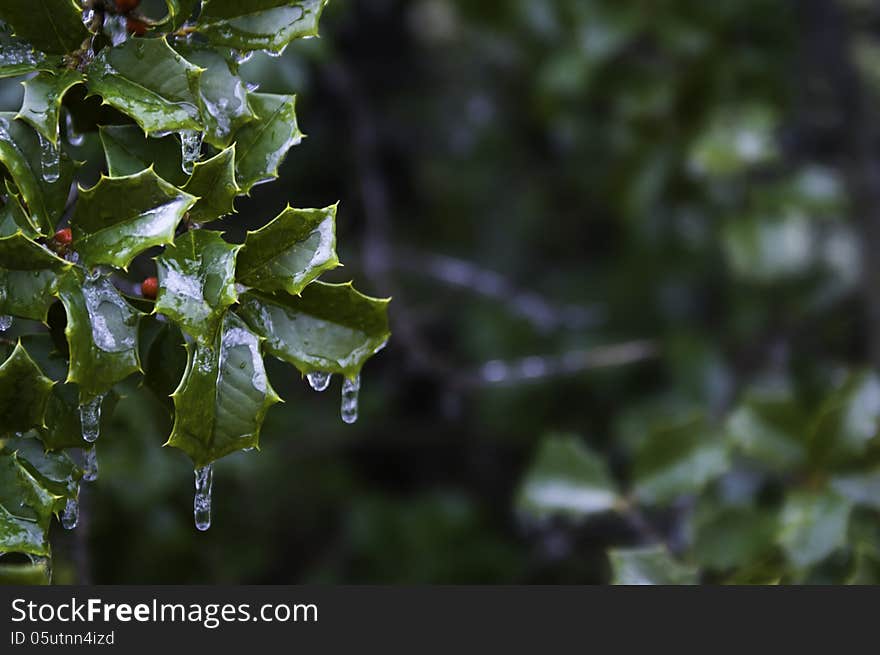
70	516
74	138
5	323
90	418
202	503
350	390
190	149
90	464
116	28
274	54
50	160
242	57
319	380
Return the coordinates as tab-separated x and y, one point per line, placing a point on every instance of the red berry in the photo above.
64	236
136	27
150	288
127	5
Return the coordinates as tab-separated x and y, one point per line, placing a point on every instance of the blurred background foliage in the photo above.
632	247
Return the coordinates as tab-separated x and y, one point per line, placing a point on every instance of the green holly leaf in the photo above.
224	396
24	392
197	282
330	327
263	144
164	358
34	573
53	26
567	479
812	526
677	460
649	565
41	172
121	217
55	472
259	24
102	333
128	151
290	252
18	57
148	81
27	277
43	96
213	182
14	219
223	96
179	11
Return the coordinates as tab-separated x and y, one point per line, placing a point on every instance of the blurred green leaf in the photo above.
649	565
812	526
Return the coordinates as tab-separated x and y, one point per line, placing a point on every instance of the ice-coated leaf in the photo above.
27	277
102	333
224	396
262	145
259	24
53	26
18	57
148	81
24	392
567	479
848	421
121	217
678	460
43	96
649	565
128	151
330	327
197	282
812	526
289	252
41	172
222	95
213	182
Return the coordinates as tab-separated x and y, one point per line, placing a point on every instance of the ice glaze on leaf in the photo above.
128	151
213	182
53	26
263	144
121	217
22	153
259	24
224	396
102	333
197	282
291	251
147	80
27	277
24	392
43	96
18	57
330	327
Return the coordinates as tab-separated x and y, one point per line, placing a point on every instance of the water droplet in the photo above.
350	392
319	380
90	464
70	515
116	28
74	138
5	323
50	160
90	418
202	503
190	149
274	54
242	57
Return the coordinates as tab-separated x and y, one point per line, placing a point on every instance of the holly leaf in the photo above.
848	421
102	333
263	144
197	282
224	396
121	217
53	26
43	96
812	526
14	219
289	252
649	565
164	358
179	11
223	97
259	24
128	151
148	81
27	277
31	574
18	57
567	479
24	392
330	327
213	182
41	172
